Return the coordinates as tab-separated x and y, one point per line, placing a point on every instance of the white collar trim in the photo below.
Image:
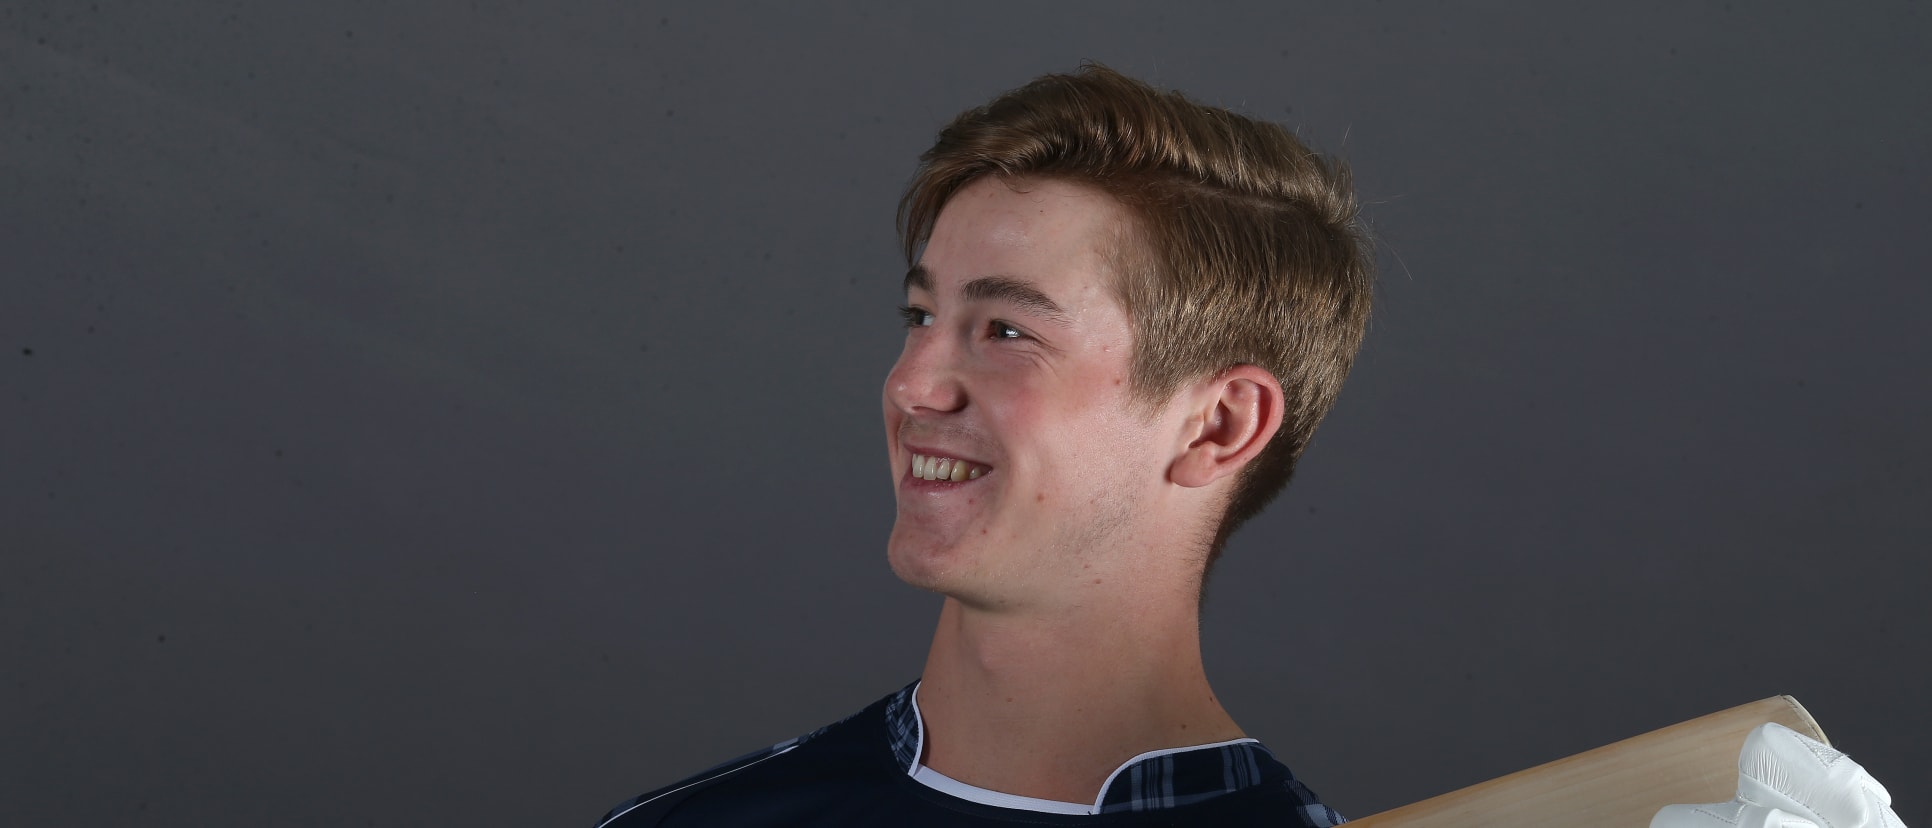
952	787
947	785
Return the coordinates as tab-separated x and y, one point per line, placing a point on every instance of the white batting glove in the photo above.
1786	780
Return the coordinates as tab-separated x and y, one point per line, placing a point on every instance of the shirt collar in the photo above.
1151	781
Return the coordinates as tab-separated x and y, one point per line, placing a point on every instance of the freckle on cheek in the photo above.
1040	498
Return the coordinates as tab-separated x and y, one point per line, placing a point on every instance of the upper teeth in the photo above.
927	467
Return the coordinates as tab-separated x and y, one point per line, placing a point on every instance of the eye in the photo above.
1001	330
916	317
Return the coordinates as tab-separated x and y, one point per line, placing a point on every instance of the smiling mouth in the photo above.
934	467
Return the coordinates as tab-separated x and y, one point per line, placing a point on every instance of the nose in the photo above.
926	379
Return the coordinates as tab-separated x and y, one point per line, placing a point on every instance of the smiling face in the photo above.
1022	462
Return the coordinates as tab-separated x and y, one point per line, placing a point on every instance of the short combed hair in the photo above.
1247	247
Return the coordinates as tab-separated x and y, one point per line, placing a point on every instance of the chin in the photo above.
922	560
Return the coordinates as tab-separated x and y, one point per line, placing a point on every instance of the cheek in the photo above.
1074	433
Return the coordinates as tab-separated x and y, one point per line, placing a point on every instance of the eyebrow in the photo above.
917	277
999	289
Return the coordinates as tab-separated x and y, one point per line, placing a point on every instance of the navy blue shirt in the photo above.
858	773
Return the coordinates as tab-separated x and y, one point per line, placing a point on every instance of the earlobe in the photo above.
1237	413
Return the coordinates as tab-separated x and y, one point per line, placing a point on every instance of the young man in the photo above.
1126	313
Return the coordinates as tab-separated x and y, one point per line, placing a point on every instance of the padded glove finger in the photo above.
1781	768
1786	780
1732	814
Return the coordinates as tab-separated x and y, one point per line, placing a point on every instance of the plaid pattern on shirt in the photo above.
1166	780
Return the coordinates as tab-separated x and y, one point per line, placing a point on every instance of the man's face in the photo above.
1016	365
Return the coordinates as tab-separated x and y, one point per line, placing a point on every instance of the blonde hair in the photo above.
1247	246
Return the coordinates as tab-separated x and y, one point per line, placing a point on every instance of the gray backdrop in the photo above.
452	412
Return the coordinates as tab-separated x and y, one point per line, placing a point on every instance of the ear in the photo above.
1234	414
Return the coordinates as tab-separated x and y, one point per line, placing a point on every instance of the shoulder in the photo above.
649	808
837	761
1286	803
1238	782
1283	794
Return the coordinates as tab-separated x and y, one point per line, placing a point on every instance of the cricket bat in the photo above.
1620	785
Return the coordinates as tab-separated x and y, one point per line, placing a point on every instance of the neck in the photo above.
1049	707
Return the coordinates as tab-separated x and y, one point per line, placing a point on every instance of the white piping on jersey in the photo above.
918	747
1163	752
973	793
987	796
614	817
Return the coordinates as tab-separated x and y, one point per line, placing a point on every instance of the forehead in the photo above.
1054	234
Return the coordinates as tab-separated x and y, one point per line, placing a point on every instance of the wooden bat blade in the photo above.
1619	785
